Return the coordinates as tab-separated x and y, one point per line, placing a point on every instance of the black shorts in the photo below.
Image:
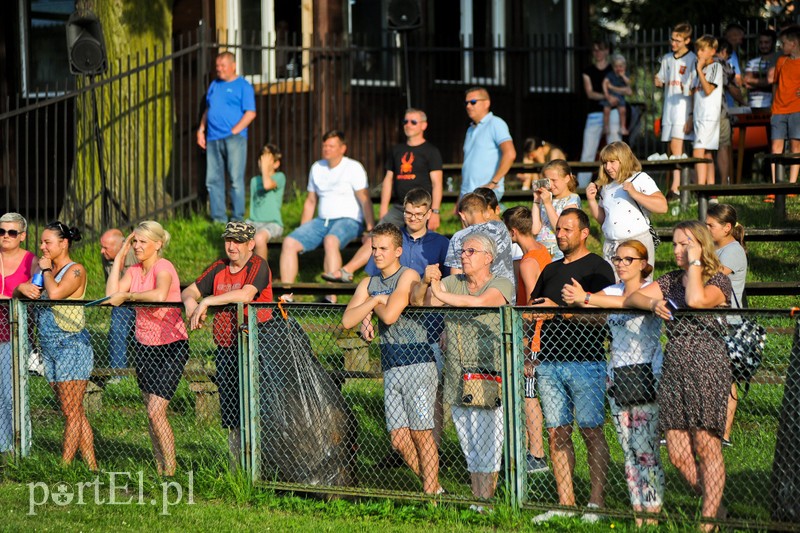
159	367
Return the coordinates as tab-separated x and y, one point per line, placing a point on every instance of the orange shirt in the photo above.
787	78
543	258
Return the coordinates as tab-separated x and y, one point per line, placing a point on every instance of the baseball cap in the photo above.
239	231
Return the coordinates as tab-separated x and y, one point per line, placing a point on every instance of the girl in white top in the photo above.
728	236
635	339
549	202
626	198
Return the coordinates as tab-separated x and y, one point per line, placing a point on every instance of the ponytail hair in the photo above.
72	234
726	214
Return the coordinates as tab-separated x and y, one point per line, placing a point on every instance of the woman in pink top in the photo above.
162	348
16	267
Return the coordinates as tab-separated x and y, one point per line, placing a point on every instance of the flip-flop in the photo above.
345	276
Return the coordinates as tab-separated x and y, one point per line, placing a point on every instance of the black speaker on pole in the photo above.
404	15
86	46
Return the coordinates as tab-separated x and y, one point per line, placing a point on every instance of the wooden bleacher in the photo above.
780	190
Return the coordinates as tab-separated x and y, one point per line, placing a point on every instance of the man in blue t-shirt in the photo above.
230	108
488	148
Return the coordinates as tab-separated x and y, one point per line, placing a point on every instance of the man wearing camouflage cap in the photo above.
242	277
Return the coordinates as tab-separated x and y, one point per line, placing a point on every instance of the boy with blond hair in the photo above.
707	106
676	75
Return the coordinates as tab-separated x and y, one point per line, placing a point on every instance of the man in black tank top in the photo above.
410	377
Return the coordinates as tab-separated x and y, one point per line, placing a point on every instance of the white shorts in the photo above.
706	134
674	131
409	394
274	229
480	432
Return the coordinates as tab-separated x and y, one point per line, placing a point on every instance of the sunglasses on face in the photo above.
411	120
469	252
616	260
473	101
10	232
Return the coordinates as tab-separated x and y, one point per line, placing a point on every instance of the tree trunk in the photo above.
130	135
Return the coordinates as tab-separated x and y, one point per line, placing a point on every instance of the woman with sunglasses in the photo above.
696	377
162	346
66	349
635	340
16	267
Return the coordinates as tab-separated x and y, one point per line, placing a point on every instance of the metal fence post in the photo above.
249	399
19	356
511	328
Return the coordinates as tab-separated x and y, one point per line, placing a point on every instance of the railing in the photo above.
149	105
313	415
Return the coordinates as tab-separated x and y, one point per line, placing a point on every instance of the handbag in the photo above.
633	385
482	388
653	234
745	343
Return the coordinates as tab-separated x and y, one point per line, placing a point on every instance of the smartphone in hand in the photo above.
671	305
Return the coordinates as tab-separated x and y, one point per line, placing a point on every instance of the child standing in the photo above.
616	84
549	202
707	107
675	75
785	121
266	198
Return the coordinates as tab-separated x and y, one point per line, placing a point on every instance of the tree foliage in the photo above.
134	116
649	14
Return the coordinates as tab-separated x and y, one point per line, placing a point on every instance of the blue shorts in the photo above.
785	126
311	234
66	356
572	391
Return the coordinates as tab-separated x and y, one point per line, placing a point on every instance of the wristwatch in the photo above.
435	211
696	263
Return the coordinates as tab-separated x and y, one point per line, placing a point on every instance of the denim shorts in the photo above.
572	391
311	234
785	126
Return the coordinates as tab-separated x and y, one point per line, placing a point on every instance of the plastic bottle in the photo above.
38	279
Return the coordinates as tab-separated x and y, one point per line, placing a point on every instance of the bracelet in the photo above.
133	297
46	270
494	182
586	299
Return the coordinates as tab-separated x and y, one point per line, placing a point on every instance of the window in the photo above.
548	30
44	56
270	35
472	44
376	47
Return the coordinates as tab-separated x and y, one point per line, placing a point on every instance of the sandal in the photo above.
344	276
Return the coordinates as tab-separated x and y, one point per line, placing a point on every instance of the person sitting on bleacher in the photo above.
339	185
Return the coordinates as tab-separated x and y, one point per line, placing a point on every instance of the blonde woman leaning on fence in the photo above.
66	351
635	341
696	377
162	348
16	267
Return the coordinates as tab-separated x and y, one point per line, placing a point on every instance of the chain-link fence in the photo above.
544	410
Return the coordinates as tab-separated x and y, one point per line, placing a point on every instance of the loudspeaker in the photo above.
404	15
86	46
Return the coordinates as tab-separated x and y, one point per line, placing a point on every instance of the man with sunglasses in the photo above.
488	147
411	165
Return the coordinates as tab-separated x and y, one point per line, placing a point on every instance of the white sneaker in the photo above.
654	157
549	515
591	518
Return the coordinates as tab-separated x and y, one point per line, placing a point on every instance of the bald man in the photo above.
122	318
